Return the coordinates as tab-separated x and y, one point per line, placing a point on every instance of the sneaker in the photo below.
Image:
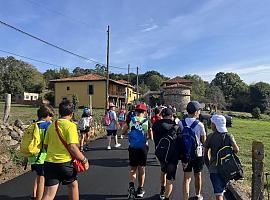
162	193
131	193
117	145
86	148
121	136
81	149
199	197
109	147
140	192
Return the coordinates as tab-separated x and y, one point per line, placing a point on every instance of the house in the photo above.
91	87
27	98
131	93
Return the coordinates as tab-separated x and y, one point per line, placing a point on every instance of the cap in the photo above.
111	105
166	112
194	106
220	123
86	110
141	106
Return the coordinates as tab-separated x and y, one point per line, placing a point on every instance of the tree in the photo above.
154	82
101	70
260	95
198	87
215	97
52	74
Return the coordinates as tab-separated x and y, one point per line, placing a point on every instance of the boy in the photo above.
45	114
213	143
84	126
138	155
194	110
58	167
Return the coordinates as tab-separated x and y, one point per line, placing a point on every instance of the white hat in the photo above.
220	122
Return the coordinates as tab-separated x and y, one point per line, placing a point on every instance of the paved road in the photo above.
107	178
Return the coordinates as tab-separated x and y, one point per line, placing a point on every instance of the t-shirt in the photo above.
214	142
40	158
155	118
113	118
144	125
56	151
199	129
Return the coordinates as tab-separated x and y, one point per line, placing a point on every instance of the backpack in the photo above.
136	136
31	141
188	142
167	145
106	120
83	123
228	164
121	116
155	118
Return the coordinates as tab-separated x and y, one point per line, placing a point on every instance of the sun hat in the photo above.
220	123
194	106
141	106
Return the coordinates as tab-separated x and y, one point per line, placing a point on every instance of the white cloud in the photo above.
153	27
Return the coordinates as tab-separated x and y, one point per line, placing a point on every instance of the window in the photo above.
90	89
27	97
35	97
68	88
64	98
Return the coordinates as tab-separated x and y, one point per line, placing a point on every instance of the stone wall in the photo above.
177	97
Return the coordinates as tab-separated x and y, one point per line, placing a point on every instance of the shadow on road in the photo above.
84	197
110	162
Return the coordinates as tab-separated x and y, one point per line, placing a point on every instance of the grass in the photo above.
245	132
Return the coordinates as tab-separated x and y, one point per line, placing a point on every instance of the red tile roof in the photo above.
178	79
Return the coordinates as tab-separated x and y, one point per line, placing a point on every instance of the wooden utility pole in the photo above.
257	171
127	95
107	68
137	97
128	73
7	108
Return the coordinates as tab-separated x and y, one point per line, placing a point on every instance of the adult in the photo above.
162	128
58	167
194	110
213	143
138	152
112	127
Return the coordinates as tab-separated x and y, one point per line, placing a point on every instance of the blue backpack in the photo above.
188	142
136	136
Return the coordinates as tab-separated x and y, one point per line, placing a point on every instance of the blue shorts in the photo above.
218	185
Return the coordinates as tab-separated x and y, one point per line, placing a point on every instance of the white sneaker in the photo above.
117	145
109	147
121	136
199	197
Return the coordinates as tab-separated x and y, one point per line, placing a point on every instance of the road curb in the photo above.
237	193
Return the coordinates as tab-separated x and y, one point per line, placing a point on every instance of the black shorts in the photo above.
196	165
169	169
56	173
38	168
137	157
85	131
111	132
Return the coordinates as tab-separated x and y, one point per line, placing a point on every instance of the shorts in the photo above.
85	131
218	185
56	173
196	165
138	157
38	168
111	132
169	169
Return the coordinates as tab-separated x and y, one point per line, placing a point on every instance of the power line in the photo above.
33	59
56	46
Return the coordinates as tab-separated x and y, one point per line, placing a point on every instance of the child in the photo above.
45	114
84	126
122	119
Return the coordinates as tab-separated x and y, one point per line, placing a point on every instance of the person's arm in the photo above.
206	157
234	145
125	129
203	133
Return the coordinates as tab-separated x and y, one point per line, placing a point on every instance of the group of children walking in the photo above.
60	146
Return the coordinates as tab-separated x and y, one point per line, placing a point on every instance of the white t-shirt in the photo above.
199	129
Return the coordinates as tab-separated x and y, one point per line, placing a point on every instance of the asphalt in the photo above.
107	178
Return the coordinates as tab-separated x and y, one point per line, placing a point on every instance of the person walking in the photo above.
213	143
58	166
138	149
162	128
44	114
196	163
112	127
122	119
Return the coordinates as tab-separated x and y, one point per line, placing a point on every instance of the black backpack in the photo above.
167	145
228	164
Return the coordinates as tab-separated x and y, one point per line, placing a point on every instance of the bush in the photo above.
50	97
256	113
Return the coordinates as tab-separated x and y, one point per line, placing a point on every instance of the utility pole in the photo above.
128	84
107	68
137	84
128	73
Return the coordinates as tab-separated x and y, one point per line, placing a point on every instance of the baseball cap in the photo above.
141	106
220	123
166	112
194	106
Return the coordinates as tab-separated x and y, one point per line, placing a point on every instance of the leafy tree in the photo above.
100	69
52	74
215	97
256	113
198	87
260	95
154	82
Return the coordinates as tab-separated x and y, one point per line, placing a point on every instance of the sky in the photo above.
173	37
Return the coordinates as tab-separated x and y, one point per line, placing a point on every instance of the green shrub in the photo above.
256	113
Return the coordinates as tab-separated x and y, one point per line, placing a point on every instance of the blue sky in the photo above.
174	37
